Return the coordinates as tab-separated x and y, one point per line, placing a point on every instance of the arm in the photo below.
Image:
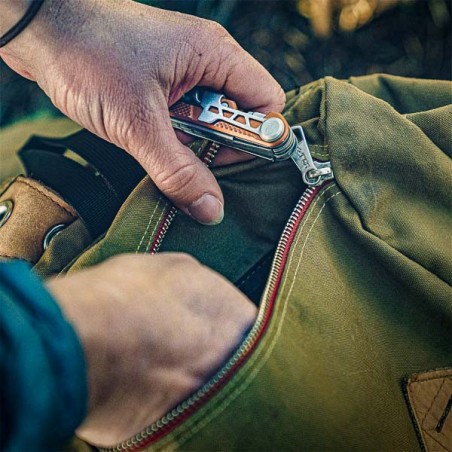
150	336
115	67
43	388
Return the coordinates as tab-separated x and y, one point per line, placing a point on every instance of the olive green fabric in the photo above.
365	298
249	232
63	248
259	196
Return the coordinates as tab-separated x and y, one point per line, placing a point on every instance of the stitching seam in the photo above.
445	373
434	399
194	429
436	440
255	270
148	226
157	224
46	195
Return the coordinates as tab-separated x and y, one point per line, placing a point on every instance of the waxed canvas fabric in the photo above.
365	300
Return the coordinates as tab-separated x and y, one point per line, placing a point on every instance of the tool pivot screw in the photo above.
271	130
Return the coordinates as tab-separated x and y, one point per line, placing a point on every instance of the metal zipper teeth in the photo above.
207	159
163	230
145	438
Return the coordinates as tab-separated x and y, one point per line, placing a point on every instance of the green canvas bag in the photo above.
352	346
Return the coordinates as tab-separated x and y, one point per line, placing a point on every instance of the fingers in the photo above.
240	77
235	73
250	85
179	174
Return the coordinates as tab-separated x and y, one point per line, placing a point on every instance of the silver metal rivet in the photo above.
53	232
271	130
6	208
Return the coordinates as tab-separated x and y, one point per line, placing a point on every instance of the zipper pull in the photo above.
314	173
207	114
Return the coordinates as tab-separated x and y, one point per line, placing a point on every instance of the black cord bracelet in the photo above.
22	24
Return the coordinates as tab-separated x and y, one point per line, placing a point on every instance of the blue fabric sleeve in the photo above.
43	388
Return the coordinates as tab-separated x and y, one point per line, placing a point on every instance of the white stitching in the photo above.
311	209
195	428
306	241
148	226
151	236
269	350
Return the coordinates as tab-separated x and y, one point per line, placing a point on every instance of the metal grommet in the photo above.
53	232
6	208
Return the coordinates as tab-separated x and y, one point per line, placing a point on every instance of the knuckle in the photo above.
206	35
180	264
121	261
184	259
216	29
175	180
219	40
280	97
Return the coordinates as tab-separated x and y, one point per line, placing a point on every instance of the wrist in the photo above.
39	45
11	12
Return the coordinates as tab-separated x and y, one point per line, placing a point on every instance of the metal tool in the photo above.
207	114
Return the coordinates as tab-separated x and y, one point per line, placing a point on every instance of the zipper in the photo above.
179	414
207	158
313	172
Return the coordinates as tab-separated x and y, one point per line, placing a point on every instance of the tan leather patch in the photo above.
430	396
36	209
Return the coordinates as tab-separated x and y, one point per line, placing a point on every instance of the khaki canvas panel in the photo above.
358	305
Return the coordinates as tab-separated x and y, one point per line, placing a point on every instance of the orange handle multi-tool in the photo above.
207	114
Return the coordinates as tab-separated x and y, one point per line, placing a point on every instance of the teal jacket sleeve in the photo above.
43	388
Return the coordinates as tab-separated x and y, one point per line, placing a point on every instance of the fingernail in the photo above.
207	210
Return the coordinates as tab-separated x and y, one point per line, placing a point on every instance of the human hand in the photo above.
154	329
115	67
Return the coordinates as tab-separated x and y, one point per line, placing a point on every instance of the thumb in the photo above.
179	174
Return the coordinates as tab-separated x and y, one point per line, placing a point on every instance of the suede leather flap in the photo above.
35	211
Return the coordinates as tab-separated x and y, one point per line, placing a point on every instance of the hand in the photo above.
154	329
115	67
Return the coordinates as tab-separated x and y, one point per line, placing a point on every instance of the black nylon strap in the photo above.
96	192
29	15
87	193
119	168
